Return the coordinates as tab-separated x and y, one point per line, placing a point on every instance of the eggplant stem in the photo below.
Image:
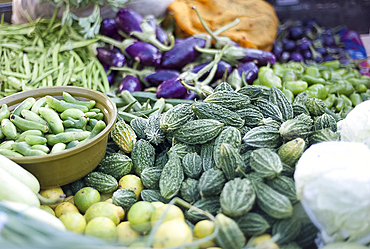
226	27
207	50
45	201
154	41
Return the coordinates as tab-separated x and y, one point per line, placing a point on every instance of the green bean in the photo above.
25	104
26	63
33	140
58	148
78	44
49	80
129	98
61	106
44	75
159	105
60	75
14	82
66	137
39	103
8	129
53	119
7	152
25	125
35	72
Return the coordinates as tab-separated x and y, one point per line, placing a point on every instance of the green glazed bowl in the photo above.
58	169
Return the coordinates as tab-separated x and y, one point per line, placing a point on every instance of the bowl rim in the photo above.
74	150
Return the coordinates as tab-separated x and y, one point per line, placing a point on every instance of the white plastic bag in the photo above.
333	183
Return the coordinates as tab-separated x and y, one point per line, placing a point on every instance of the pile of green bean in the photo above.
46	53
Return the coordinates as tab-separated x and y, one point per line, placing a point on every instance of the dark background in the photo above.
354	14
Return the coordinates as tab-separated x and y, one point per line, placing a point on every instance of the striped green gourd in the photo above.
209	204
251	116
154	133
246	156
270	122
230	161
102	182
124	136
229	234
278	98
229	99
139	124
211	182
189	190
294	128
300	99
171	177
237	197
198	131
223	86
325	121
255	91
288	229
287	170
266	163
152	195
161	159
206	154
263	137
291	151
142	155
300	109
115	164
77	185
272	202
182	149
124	198
150	177
284	185
315	106
268	109
214	111
323	135
230	135
175	117
192	164
252	224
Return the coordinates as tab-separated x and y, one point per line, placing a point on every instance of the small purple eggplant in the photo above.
297	57
109	28
182	53
110	57
130	83
171	88
160	76
145	53
159	32
250	71
221	66
190	95
110	78
128	21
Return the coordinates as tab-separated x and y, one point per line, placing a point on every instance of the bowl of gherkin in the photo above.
59	134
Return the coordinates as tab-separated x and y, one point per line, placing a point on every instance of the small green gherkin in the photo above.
266	163
315	106
154	133
171	177
175	117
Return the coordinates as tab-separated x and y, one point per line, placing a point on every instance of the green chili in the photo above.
335	64
289	76
355	98
361	88
313	72
312	80
296	87
342	88
317	90
330	100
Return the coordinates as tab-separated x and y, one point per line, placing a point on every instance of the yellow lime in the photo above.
110	200
126	235
262	239
132	182
139	216
102	227
64	208
47	209
74	221
120	211
102	209
202	229
173	212
86	197
172	233
52	193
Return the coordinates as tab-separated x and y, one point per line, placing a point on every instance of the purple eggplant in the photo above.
109	28
277	50
128	21
171	88
250	70
261	57
110	57
304	44
182	53
221	67
145	53
110	78
297	57
285	56
290	46
159	32
130	83
160	76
